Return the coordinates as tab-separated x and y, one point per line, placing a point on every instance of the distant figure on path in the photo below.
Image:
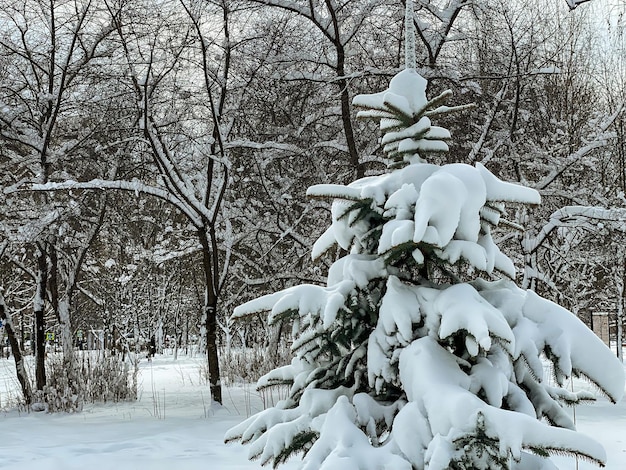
151	348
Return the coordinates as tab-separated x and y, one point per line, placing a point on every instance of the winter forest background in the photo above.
155	155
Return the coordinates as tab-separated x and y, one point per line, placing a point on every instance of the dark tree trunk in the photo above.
346	119
40	326
212	353
209	254
17	353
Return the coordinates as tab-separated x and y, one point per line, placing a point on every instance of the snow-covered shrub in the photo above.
109	378
91	378
247	364
63	390
421	352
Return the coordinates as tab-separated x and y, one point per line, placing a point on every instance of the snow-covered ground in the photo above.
172	426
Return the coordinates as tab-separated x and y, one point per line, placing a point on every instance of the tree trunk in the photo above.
67	342
346	119
210	317
61	307
212	354
22	378
620	306
40	326
620	331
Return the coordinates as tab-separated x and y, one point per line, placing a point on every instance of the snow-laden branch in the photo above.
179	189
358	18
272	145
570	216
320	77
91	296
25	269
435	37
572	4
282	146
97	184
478	145
599	141
306	10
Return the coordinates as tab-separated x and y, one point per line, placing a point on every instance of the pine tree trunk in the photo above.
22	378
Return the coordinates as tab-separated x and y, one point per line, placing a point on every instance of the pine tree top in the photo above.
404	113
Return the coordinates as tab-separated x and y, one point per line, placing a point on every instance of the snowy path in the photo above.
171	427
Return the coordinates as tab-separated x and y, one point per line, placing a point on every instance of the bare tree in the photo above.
338	23
48	48
188	157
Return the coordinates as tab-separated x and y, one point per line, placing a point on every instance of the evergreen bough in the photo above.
421	352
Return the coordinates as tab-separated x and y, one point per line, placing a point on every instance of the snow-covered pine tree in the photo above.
409	358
